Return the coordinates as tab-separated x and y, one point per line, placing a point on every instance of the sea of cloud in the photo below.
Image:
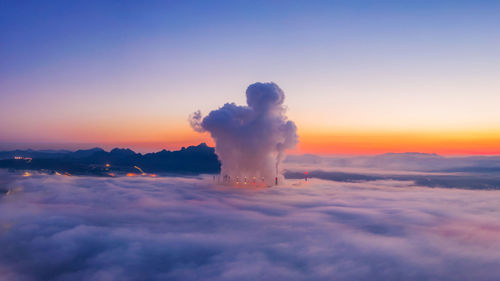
166	228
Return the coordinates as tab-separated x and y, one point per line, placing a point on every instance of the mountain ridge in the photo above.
96	161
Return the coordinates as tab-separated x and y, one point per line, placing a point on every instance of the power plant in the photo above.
250	140
227	180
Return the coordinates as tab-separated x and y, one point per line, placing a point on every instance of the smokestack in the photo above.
251	140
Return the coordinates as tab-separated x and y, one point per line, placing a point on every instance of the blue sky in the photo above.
345	66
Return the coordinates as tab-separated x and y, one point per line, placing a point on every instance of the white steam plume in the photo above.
250	140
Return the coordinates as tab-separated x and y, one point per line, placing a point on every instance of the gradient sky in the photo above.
360	76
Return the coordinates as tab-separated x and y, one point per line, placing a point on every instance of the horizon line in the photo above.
108	147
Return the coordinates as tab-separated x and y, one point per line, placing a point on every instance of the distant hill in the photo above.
408	161
96	161
33	153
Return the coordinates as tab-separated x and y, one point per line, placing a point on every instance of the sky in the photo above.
360	77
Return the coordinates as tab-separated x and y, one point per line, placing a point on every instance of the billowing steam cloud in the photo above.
251	140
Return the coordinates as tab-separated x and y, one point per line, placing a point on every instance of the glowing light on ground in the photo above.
138	168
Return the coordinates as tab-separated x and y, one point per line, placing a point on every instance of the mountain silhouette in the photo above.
96	161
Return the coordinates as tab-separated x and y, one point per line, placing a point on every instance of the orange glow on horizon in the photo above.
313	141
357	143
446	143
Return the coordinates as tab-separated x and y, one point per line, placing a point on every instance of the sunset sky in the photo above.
360	77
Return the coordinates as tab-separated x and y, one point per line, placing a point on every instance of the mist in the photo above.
56	228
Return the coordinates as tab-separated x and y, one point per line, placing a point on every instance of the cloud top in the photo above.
56	228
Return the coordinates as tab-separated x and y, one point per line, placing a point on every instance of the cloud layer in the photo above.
79	228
